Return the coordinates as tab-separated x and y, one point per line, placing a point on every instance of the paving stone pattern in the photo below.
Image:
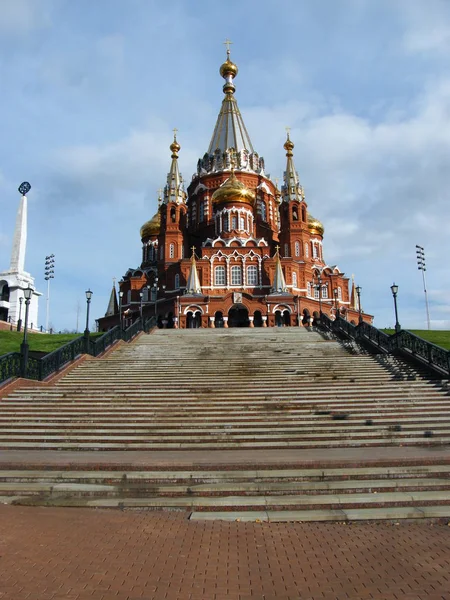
60	553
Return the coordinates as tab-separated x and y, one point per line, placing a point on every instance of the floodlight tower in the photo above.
420	252
49	274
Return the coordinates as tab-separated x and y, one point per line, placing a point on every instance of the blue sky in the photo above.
90	93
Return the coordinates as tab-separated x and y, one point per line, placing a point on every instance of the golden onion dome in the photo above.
288	146
233	190
315	227
228	68
151	228
175	146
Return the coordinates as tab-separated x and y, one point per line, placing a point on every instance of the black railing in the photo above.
403	342
41	368
9	365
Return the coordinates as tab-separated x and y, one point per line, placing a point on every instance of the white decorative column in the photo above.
16	278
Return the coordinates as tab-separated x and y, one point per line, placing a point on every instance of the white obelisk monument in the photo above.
16	279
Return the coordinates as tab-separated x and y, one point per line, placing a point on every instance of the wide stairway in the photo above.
268	424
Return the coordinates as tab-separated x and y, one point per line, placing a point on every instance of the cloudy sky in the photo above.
90	93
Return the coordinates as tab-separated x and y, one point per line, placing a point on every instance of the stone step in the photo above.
342	515
306	502
78	488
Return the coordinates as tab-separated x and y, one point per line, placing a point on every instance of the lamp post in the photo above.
335	292
420	252
19	322
358	293
141	295
120	309
394	290
49	274
86	331
319	290
28	292
156	289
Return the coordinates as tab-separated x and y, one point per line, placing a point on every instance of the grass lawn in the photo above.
438	337
44	342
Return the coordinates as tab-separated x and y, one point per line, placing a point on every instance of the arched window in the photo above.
262	210
173	215
176	281
252	275
314	251
297	248
242	223
219	276
316	292
294	214
234	222
303	214
202	211
236	275
339	293
309	289
171	250
286	250
324	291
294	279
306	250
145	294
225	217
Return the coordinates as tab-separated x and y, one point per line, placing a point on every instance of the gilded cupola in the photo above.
151	228
315	227
233	190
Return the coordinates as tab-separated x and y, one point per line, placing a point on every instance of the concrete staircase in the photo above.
259	392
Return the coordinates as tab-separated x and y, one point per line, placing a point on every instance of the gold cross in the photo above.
277	248
174	133
227	44
193	250
288	130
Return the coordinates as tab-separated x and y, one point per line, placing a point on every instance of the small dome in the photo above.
151	228
233	190
228	68
175	147
288	145
315	227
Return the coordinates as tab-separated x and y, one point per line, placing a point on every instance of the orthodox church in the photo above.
232	250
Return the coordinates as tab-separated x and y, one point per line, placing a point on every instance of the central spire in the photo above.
230	131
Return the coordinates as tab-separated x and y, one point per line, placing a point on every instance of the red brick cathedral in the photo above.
234	250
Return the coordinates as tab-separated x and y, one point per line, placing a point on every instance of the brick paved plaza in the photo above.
56	553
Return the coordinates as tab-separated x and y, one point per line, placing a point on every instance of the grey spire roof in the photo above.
279	283
230	131
193	283
291	188
113	306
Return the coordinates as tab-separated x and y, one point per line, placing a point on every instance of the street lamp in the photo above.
420	252
19	322
394	290
120	309
156	289
141	295
28	292
358	293
88	302
318	287
49	274
335	292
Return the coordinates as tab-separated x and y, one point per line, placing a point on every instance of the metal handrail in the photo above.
41	368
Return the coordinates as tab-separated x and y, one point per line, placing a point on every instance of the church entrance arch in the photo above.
193	320
306	317
257	321
218	319
286	318
238	316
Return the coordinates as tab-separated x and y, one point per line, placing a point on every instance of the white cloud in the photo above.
21	16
